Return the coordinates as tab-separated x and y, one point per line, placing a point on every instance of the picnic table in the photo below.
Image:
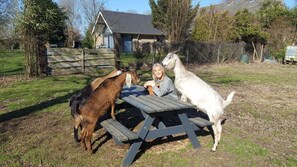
156	112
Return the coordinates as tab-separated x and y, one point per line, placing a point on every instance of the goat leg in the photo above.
77	123
112	112
90	130
216	136
83	138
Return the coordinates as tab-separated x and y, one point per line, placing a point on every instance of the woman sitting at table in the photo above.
161	85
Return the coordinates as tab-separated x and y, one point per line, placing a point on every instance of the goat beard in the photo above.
128	80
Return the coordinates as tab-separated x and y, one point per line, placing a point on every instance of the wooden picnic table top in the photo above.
154	104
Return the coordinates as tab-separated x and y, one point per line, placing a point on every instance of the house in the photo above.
129	29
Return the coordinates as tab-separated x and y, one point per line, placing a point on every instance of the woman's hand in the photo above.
149	83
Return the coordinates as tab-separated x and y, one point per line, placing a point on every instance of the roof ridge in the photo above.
124	12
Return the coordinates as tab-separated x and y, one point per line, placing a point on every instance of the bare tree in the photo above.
74	22
90	10
212	25
5	13
8	15
174	18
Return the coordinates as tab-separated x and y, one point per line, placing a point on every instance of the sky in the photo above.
142	6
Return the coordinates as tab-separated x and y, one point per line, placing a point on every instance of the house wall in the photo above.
138	41
144	38
143	42
98	41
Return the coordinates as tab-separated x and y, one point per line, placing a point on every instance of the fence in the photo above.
201	53
63	61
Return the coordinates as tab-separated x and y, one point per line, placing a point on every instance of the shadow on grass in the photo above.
38	107
17	71
34	108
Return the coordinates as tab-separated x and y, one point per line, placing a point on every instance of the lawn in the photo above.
11	63
36	124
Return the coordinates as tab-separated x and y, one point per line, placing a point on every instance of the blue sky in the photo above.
142	6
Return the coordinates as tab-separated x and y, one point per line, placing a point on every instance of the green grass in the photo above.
11	63
35	91
36	125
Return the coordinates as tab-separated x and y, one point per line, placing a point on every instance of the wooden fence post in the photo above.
83	60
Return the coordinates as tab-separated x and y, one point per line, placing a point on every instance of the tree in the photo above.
174	18
7	17
41	21
212	26
90	10
4	12
271	10
281	34
249	30
71	9
88	41
278	21
293	16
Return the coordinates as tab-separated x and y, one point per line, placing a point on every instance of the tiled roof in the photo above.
129	23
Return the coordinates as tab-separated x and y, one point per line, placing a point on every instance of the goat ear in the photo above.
128	80
119	72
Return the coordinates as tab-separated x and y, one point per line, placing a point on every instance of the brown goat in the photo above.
77	101
103	99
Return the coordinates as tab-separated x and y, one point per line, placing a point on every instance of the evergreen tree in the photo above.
249	30
88	41
41	21
271	10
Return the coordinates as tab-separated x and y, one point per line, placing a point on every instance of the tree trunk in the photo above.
255	54
261	55
30	54
117	48
35	54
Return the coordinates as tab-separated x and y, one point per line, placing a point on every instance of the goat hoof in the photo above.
213	149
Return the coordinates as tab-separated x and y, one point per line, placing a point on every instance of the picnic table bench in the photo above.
156	112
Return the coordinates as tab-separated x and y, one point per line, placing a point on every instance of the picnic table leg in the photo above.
189	130
129	157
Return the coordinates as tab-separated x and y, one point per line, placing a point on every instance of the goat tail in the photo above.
229	99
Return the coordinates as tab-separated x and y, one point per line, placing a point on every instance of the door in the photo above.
127	43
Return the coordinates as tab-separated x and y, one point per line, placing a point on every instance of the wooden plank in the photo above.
131	135
169	104
200	121
65	65
158	103
100	57
61	58
113	131
99	62
105	51
63	51
137	104
179	102
62	71
148	102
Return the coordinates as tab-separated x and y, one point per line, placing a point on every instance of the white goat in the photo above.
199	93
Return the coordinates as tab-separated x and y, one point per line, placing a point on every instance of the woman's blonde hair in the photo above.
161	67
